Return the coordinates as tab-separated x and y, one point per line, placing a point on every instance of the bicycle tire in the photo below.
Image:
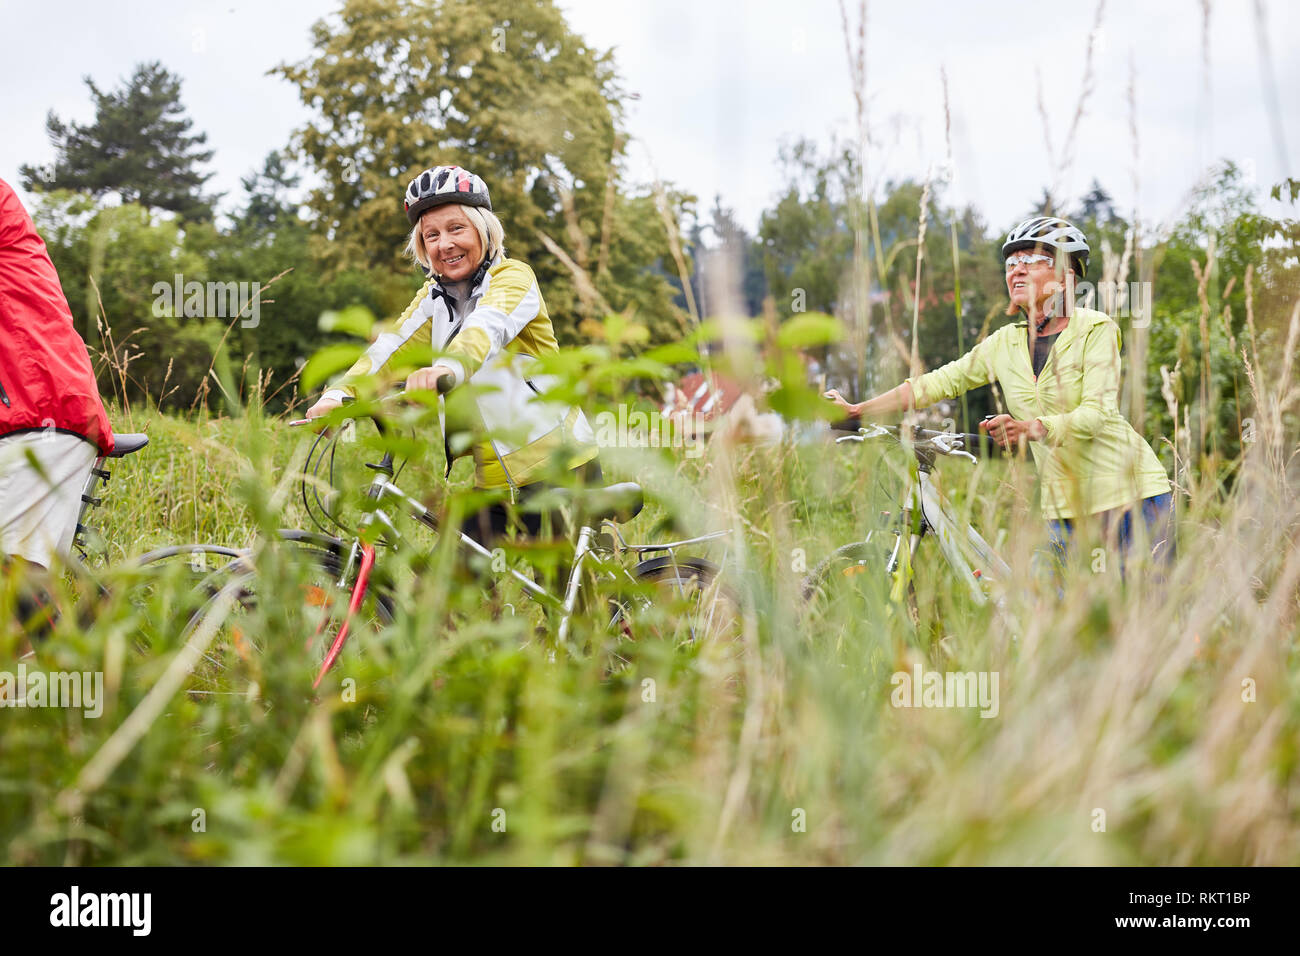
169	584
832	587
233	664
691	585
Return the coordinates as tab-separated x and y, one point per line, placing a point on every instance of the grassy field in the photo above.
1135	723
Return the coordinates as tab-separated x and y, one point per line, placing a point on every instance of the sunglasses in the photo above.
1027	259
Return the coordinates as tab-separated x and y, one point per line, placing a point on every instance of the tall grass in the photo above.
1122	696
1141	720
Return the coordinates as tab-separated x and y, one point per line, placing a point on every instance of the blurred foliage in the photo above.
463	735
455	735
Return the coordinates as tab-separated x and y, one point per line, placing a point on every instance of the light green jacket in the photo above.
1091	460
494	345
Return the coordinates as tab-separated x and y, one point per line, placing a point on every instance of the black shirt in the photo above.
1042	345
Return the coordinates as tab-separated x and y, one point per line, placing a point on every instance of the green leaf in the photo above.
674	353
329	361
798	402
354	320
809	329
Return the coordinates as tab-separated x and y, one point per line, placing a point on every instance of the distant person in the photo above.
1059	370
52	423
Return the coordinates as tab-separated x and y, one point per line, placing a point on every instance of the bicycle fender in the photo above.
171	552
314	538
652	565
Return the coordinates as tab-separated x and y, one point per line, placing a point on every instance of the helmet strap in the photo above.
474	280
480	272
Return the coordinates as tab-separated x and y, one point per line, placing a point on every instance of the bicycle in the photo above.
887	553
346	582
87	557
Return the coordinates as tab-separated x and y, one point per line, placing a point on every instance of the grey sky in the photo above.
722	84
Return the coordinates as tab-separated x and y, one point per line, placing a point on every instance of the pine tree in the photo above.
270	205
1097	206
139	146
1046	204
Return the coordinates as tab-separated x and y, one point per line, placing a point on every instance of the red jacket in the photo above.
45	374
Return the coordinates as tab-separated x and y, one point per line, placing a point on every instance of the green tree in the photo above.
808	242
1223	211
269	243
109	259
1204	342
733	242
509	92
270	205
1096	206
806	238
139	146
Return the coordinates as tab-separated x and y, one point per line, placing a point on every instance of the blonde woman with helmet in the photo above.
1059	372
483	314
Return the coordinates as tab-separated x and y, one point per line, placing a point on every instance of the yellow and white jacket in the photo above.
504	326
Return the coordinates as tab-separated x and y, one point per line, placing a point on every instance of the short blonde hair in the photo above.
491	235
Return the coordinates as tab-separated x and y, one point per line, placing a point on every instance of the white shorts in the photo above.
39	508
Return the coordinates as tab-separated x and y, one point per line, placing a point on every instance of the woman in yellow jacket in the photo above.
1059	370
484	315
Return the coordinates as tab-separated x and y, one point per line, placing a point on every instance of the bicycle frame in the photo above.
362	557
925	510
924	497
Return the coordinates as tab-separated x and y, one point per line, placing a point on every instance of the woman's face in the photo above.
451	242
1035	283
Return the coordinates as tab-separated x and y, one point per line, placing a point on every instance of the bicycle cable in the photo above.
315	486
331	450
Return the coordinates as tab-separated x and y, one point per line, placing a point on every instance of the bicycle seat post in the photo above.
97	474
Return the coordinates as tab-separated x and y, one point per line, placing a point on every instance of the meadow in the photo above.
1136	723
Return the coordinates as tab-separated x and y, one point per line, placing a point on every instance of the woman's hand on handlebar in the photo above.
841	402
1008	431
438	378
323	407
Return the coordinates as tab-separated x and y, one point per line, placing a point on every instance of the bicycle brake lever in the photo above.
849	438
952	447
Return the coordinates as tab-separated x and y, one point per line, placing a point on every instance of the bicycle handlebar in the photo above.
945	443
444	385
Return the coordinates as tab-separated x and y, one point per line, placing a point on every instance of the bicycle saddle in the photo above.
620	502
125	444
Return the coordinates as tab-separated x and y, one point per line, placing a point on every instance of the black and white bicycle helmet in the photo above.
1052	233
442	185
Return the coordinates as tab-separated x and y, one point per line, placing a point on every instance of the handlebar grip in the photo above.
446	383
982	443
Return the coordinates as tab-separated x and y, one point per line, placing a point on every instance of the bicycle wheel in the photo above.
681	601
853	583
280	627
169	585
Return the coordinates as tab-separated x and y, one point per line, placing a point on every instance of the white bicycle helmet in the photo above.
1052	233
442	185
